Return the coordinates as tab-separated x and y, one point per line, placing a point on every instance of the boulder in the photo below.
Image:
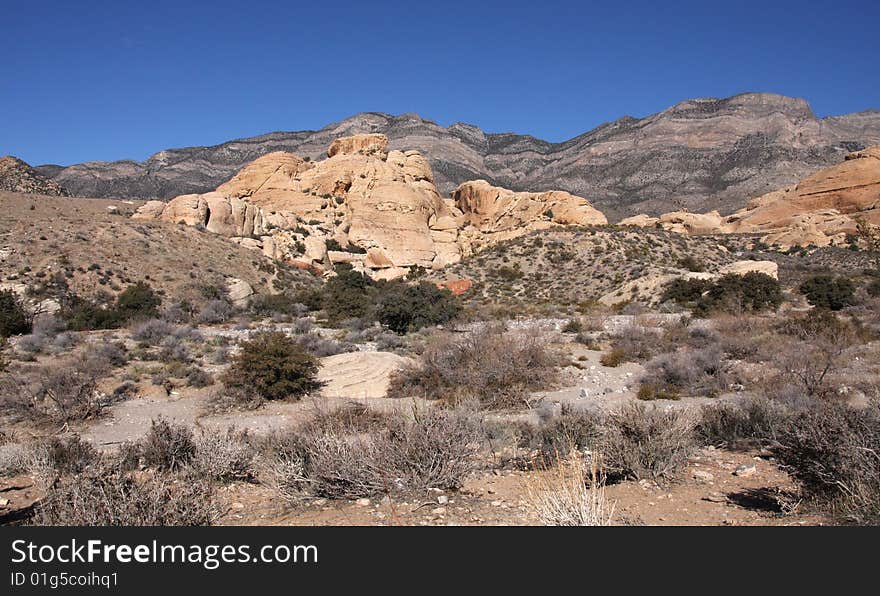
359	374
239	291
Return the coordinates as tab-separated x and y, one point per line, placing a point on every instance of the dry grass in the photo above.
571	494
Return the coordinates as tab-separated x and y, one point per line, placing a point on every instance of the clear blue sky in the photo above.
109	80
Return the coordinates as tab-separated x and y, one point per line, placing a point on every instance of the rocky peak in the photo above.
17	176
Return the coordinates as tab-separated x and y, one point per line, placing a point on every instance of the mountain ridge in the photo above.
698	154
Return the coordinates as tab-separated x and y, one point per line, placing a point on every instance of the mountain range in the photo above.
697	155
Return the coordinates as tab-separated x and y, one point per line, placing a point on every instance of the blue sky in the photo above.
110	80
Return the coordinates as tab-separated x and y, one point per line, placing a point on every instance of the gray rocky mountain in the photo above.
699	155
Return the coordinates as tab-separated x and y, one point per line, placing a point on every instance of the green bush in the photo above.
825	291
753	291
402	307
685	291
14	319
274	366
138	301
347	294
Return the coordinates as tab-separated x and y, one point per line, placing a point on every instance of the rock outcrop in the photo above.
820	210
18	176
375	209
498	213
698	155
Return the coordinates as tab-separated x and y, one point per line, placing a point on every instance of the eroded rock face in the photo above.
377	210
820	210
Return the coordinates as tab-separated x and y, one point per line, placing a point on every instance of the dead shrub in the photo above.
167	446
750	423
640	442
497	368
572	495
695	372
637	344
437	448
56	393
555	438
223	456
834	452
110	497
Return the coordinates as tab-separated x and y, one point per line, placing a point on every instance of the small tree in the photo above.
347	294
274	366
405	308
14	319
828	292
138	300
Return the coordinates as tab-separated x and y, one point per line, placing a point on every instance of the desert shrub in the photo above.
573	326
110	497
635	344
215	311
274	366
815	351
692	264
556	438
197	376
613	358
138	301
753	291
18	458
223	456
640	442
14	319
346	295
152	331
57	393
167	446
755	421
437	448
832	450
829	292
685	370
105	356
71	455
270	304
684	291
496	367
402	307
573	494
320	346
173	349
31	344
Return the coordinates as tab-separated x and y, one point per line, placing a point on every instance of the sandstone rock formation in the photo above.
18	176
498	213
375	209
699	155
820	210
